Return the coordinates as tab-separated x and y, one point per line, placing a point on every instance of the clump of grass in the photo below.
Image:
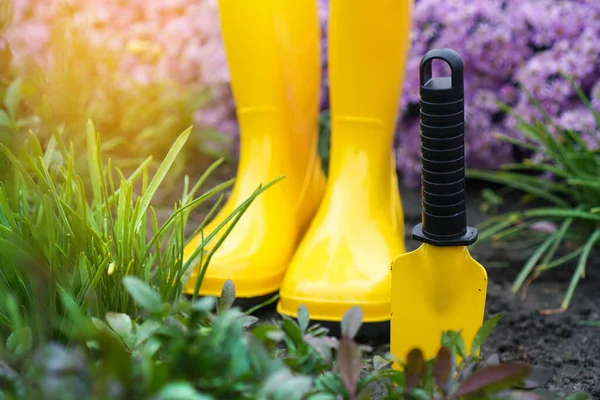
571	196
58	238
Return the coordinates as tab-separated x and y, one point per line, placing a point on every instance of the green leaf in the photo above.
161	173
454	342
121	324
282	385
579	396
181	391
227	296
93	163
204	304
322	396
483	332
580	269
4	119
146	330
248	320
303	318
12	98
20	342
415	369
492	376
293	331
143	294
532	262
352	321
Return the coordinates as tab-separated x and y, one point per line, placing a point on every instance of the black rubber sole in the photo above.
246	303
368	331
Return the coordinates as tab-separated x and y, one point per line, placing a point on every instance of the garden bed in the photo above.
557	341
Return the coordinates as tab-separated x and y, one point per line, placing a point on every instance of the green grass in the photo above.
571	199
58	236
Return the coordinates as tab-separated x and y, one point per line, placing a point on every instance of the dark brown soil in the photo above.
524	333
557	341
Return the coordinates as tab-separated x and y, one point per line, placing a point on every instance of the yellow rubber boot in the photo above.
345	257
272	49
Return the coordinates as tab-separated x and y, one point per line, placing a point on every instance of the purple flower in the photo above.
511	49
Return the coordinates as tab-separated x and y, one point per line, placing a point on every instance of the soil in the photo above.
558	341
526	333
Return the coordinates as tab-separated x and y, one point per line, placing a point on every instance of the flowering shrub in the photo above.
143	71
505	44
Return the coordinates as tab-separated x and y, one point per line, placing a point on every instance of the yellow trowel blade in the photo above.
439	287
435	289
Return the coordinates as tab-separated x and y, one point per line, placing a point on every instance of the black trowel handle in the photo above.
444	211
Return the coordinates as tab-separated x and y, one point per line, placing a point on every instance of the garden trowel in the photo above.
439	287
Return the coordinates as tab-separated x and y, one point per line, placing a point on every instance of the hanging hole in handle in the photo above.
440	69
445	60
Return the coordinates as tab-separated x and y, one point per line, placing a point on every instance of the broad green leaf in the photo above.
282	385
352	321
142	294
322	396
295	388
484	331
146	330
120	323
204	304
248	320
181	391
293	331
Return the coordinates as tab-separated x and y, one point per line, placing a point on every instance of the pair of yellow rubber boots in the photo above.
323	242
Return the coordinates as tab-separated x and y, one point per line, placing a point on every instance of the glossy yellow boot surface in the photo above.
435	289
272	49
344	259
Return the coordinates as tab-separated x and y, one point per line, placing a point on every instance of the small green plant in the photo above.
58	238
206	349
571	196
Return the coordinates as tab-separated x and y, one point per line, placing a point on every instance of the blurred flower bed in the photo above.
143	71
171	52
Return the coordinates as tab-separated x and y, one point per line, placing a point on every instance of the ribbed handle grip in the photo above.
444	214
